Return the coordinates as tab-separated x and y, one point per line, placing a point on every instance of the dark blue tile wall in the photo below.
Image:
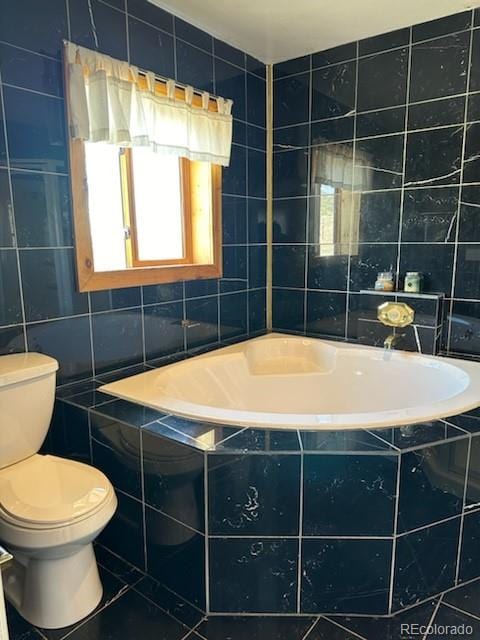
376	167
40	307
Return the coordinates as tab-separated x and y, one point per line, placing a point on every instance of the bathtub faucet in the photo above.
391	340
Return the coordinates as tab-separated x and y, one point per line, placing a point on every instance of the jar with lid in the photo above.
413	282
384	281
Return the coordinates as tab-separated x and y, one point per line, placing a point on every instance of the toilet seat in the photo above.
47	492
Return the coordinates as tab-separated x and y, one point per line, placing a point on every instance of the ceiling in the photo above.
276	30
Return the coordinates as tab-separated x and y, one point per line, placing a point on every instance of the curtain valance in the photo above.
112	101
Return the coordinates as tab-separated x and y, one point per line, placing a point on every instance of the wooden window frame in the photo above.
203	231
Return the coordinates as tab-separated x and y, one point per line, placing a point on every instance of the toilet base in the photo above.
54	593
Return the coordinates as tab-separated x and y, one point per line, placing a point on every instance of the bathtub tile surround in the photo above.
200	503
374	169
40	308
425	334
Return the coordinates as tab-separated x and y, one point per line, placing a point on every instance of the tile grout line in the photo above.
464	504
394	540
404	159
3	113
461	184
207	533
300	534
337	624
430	622
350	232
308	193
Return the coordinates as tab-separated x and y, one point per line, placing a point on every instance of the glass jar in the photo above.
384	281
413	282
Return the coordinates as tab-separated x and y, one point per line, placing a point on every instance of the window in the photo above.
143	217
146	168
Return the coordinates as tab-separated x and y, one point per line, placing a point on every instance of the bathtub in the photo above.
285	382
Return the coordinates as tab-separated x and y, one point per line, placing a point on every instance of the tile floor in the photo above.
134	606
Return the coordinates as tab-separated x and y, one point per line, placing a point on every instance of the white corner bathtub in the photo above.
288	382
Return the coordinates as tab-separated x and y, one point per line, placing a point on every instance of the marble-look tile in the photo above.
117	339
291	137
334	55
348	495
323	172
471	162
467	280
439	67
470	551
434	157
261	440
175	556
255	628
291	67
434	261
97	25
128	617
254	495
465	332
334	130
194	67
6	211
326	313
163	329
390	628
202	435
328	266
151	49
291	98
130	413
370	259
253	575
288	309
329	630
10	307
469	227
154	16
289	220
333	90
448	618
376	123
173	479
466	598
233	315
382	80
427	495
425	563
113	589
54	339
442	26
290	174
429	215
124	534
418	435
346	576
116	452
346	440
170	602
19	628
436	113
125	572
50	285
379	163
473	486
379	216
383	42
288	264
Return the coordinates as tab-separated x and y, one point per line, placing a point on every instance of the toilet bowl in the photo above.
51	509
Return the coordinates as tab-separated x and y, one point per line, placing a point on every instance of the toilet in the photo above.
51	509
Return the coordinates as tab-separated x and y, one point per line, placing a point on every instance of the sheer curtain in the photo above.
108	103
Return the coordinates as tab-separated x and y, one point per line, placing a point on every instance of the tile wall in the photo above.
40	307
376	167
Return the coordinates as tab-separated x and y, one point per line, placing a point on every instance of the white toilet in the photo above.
51	509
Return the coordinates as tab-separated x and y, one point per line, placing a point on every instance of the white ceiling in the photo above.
276	30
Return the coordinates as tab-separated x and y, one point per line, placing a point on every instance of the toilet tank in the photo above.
27	394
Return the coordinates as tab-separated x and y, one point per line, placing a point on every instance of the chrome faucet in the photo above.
391	340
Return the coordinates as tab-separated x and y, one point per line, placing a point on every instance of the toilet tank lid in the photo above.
18	367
